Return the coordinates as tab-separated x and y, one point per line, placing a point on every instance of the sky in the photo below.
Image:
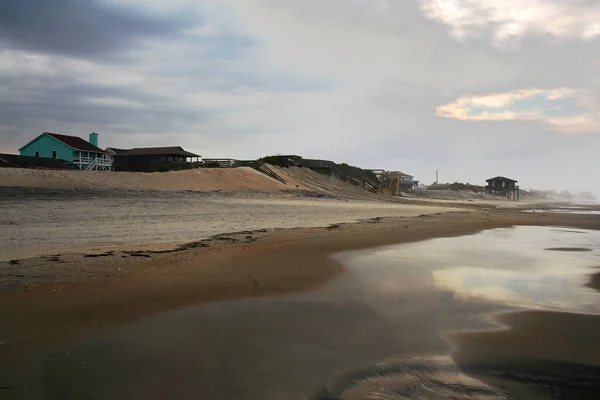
472	88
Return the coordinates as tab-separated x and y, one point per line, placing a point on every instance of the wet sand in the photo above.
539	355
47	303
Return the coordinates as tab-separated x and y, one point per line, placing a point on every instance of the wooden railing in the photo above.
257	165
104	162
265	169
222	162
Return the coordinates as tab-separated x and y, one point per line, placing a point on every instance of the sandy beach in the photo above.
41	222
280	245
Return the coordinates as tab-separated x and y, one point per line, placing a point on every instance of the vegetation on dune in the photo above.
345	172
458	187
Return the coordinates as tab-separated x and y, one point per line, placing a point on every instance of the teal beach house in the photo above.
84	154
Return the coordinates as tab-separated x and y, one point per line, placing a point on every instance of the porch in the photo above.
87	161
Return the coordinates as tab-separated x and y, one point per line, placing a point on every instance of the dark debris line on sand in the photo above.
107	254
568	249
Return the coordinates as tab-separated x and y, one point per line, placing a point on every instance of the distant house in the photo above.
151	158
114	151
396	181
86	155
505	187
407	182
111	152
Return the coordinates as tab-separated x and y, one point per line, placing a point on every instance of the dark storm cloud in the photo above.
82	28
63	105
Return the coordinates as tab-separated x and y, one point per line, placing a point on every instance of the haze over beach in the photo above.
301	200
473	89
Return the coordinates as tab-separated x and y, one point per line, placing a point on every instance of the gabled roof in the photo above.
500	178
74	142
158	151
114	150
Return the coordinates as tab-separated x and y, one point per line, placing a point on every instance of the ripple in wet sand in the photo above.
433	377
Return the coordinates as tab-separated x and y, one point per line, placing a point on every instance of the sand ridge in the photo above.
203	179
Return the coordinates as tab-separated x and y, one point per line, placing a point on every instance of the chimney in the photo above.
94	139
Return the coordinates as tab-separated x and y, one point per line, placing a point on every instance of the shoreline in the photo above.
46	301
116	286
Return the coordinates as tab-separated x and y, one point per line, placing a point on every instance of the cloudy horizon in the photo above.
472	88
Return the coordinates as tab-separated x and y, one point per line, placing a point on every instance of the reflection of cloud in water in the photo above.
508	265
390	307
522	289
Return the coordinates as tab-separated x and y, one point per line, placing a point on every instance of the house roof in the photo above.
398	173
158	151
115	150
74	142
500	178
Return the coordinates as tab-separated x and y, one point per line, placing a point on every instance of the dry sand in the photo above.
594	282
37	223
196	180
327	184
300	180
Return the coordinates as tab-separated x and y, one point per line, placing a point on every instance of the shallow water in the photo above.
569	210
374	334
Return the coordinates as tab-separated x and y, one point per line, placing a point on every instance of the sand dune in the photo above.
196	180
327	184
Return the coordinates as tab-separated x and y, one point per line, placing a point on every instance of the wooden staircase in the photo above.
264	168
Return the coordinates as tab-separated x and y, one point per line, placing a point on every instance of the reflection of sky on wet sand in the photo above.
374	333
508	265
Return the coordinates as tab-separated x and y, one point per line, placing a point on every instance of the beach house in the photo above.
86	155
149	159
501	186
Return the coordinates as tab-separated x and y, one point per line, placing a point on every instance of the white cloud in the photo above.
509	20
530	105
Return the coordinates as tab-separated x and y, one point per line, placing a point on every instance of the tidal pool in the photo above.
376	333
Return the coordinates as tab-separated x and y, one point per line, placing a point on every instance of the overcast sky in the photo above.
472	88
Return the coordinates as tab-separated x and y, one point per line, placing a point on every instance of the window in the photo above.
54	154
503	183
37	153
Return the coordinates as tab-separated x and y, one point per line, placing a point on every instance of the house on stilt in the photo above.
505	187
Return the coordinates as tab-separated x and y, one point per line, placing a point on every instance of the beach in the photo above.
299	200
42	222
283	246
